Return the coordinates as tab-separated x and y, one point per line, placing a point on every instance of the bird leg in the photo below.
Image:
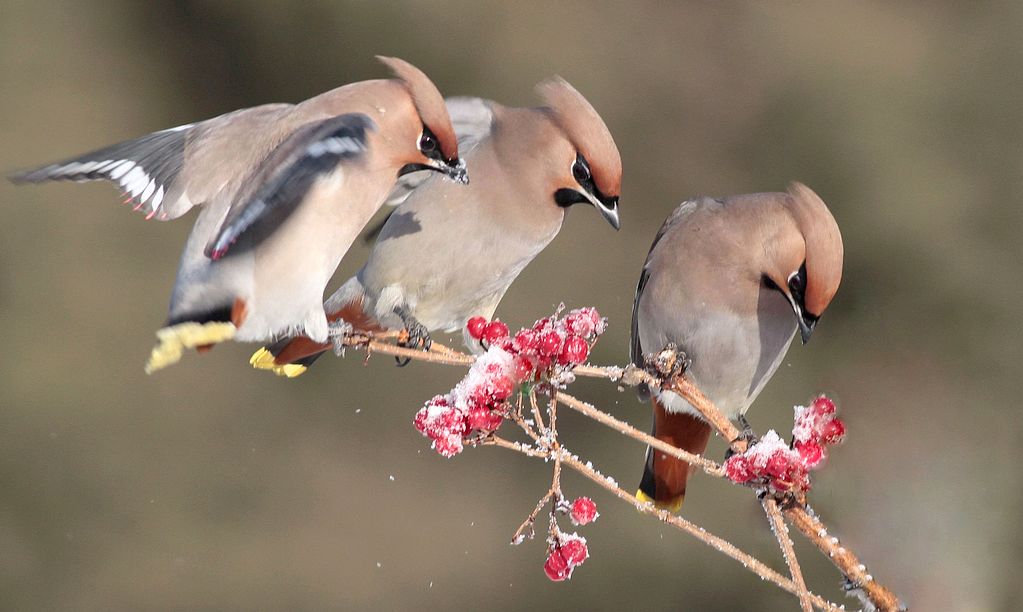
337	331
415	334
667	364
746	434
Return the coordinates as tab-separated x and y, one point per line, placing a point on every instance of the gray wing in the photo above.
279	185
472	119
144	168
165	173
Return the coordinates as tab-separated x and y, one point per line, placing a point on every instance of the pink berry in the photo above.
576	351
526	341
777	464
823	405
495	332
483	419
574	551
810	453
476	326
522	368
448	446
556	567
584	511
833	431
550	343
501	387
738	469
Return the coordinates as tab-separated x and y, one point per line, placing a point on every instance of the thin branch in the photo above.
844	559
781	532
730	550
624	428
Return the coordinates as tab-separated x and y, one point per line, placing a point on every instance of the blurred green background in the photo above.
212	486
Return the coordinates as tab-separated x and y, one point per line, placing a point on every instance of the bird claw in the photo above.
669	363
746	434
337	331
415	336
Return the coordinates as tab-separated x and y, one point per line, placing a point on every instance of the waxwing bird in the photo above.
446	255
729	282
284	190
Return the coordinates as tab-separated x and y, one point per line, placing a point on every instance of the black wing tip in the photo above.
29	177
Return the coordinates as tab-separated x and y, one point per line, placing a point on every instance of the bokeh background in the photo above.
212	486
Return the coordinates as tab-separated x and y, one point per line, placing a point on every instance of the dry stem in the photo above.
781	532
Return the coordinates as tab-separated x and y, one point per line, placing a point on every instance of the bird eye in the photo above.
427	142
580	170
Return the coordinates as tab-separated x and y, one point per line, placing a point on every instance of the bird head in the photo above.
806	266
593	175
436	145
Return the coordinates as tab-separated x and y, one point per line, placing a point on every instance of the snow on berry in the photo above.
476	403
783	467
584	511
556	567
567	554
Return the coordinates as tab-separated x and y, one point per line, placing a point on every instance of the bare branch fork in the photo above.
543	442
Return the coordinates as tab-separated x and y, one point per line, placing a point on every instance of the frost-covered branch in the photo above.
506	382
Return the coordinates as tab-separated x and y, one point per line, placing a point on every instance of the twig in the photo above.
781	532
624	428
845	560
727	548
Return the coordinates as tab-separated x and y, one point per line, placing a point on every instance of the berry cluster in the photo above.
477	402
785	467
564	555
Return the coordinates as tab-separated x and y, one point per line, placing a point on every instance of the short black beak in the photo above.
807	323
608	208
454	170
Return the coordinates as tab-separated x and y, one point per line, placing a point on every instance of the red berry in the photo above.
448	446
777	464
556	567
550	343
810	453
495	332
576	351
738	469
483	419
476	325
584	511
823	405
833	431
501	387
574	551
526	341
522	368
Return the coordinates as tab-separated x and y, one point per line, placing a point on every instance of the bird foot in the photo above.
667	364
337	331
415	335
746	434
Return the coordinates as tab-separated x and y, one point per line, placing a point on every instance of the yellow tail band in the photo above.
671	506
172	341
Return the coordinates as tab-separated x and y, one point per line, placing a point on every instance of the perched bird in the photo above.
445	254
729	281
284	189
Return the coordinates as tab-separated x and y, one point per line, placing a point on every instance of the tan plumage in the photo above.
285	189
445	254
729	281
